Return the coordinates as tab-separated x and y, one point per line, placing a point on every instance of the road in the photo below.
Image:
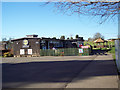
60	72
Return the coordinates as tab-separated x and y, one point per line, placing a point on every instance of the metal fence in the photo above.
65	52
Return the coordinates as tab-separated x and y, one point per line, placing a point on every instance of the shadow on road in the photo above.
99	52
54	71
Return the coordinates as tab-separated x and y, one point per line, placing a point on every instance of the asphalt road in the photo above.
59	72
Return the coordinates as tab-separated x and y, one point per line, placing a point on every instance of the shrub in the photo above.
113	52
7	54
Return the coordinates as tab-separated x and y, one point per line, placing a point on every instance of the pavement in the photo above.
100	73
60	72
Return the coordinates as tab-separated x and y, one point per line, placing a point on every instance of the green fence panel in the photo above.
64	52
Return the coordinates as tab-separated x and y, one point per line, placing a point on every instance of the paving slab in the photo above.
100	73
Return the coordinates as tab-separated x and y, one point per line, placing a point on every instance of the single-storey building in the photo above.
49	43
26	46
31	45
73	43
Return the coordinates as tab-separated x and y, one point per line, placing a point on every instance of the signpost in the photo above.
84	46
25	44
22	51
80	50
29	51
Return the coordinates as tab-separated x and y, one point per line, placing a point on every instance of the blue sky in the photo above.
23	18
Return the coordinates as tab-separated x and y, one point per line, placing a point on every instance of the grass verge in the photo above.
112	51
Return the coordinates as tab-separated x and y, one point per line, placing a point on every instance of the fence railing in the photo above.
65	52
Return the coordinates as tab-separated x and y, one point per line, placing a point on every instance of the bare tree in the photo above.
4	39
90	39
62	37
71	38
98	35
77	36
103	8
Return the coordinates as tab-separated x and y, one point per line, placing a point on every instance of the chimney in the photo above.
32	36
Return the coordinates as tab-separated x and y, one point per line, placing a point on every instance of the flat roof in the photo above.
25	38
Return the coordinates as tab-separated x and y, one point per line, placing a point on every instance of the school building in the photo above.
31	45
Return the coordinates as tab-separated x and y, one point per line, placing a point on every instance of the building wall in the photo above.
2	45
72	43
33	44
50	43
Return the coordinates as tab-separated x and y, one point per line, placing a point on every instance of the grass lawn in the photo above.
93	44
101	48
113	52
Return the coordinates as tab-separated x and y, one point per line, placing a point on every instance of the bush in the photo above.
113	52
7	54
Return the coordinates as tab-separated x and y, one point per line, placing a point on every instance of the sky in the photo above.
25	18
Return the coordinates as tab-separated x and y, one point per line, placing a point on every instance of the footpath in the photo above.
100	73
